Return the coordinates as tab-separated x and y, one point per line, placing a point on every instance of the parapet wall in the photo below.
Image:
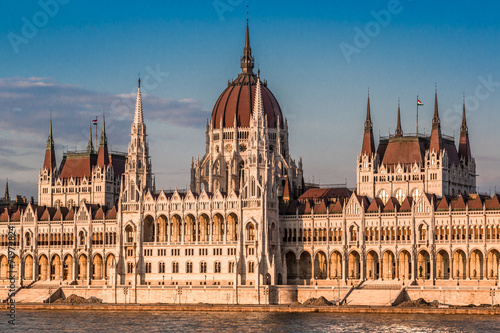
455	296
207	294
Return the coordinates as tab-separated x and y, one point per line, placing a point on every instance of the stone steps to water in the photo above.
32	295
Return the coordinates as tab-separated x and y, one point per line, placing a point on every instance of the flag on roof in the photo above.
419	103
94	121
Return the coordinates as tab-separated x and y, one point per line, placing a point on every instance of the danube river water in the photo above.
122	321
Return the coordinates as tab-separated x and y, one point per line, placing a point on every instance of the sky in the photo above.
320	58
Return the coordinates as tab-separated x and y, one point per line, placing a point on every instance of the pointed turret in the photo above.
90	146
368	147
436	138
7	195
138	175
258	105
399	130
138	117
50	155
247	63
464	146
103	154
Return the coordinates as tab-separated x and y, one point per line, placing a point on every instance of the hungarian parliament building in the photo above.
248	217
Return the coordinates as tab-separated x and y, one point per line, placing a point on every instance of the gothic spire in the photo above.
90	146
138	117
247	63
464	145
435	119
103	154
7	195
463	128
368	140
103	140
50	139
50	155
436	138
258	106
399	131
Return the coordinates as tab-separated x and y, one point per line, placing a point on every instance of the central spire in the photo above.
247	59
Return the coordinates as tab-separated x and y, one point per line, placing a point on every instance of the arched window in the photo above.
130	234
189	267
161	267
203	267
384	196
148	267
251	232
251	267
400	195
416	194
82	238
231	267
354	233
423	232
130	267
28	239
175	267
217	267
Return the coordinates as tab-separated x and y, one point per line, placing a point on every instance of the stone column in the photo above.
362	266
452	272
467	266
432	258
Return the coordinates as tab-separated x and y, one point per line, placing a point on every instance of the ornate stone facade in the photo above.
248	218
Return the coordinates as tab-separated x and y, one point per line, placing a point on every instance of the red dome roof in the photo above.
237	101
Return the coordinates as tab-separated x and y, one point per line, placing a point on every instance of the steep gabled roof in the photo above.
375	205
460	204
48	214
406	205
493	203
16	216
111	214
4	216
99	215
477	202
320	208
444	204
336	207
391	205
70	215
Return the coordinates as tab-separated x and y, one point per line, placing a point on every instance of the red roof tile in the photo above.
391	205
406	205
404	150
375	205
477	202
493	203
77	165
237	100
444	204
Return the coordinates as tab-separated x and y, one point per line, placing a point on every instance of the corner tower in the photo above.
137	175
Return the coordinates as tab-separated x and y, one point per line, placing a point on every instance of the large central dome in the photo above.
236	101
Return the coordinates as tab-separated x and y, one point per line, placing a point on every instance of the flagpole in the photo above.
417	116
96	144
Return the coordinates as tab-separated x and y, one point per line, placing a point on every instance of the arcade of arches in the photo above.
392	266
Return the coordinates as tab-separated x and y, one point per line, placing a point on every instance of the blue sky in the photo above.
86	56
